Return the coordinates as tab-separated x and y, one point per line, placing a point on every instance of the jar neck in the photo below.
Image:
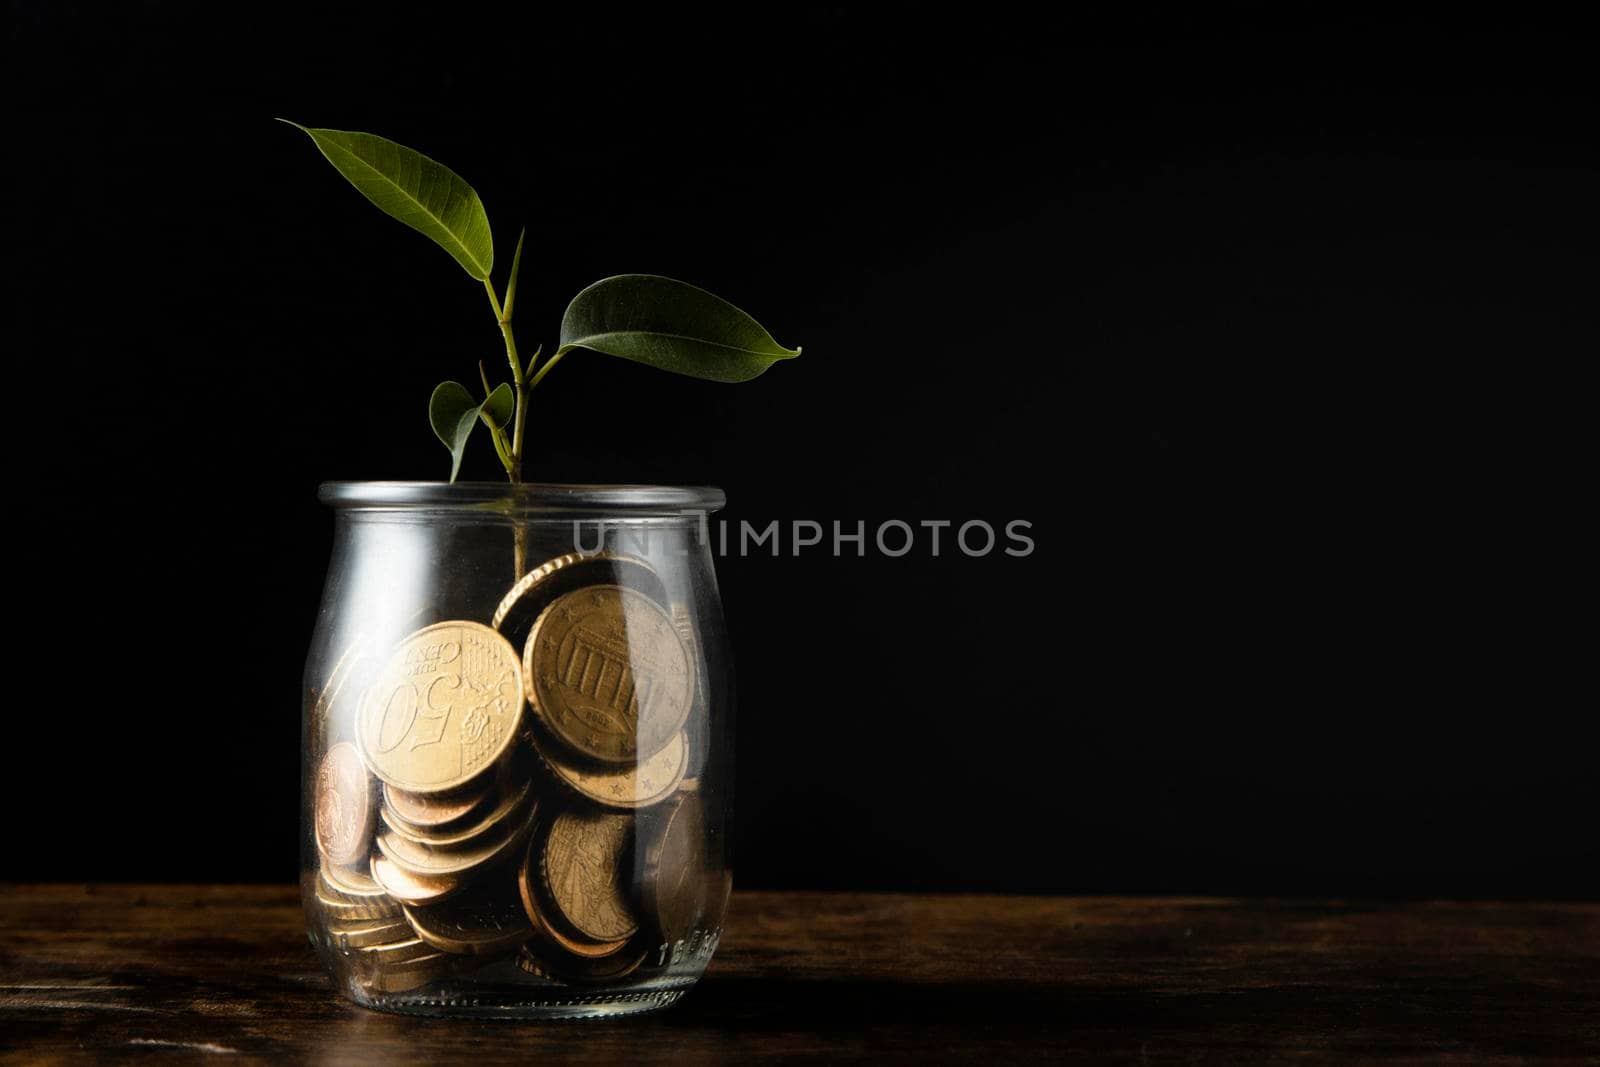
525	502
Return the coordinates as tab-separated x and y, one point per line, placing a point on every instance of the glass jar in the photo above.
517	759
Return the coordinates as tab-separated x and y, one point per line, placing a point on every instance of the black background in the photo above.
1266	319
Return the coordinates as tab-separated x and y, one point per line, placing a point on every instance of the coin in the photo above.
427	812
625	787
396	957
409	888
583	874
523	603
698	726
346	667
673	882
362	933
487	920
582	949
536	909
412	974
608	674
683	622
510	804
344	808
350	883
444	708
347	911
558	968
426	861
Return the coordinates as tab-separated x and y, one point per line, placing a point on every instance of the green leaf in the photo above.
511	286
453	413
672	325
500	406
425	195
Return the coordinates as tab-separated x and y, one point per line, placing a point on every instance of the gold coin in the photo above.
410	975
350	672
626	787
362	933
410	889
557	968
394	962
536	909
673	881
698	726
344	808
510	804
350	883
346	911
426	861
518	609
488	920
443	710
583	874
608	674
436	812
683	622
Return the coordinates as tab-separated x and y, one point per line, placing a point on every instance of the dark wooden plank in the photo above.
91	973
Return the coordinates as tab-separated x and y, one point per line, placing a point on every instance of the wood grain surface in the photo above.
224	973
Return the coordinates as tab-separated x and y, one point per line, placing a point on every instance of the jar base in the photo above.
452	1000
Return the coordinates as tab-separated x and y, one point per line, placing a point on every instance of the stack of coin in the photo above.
457	829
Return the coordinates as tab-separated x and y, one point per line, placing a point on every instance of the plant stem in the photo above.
519	532
518	382
518	422
551	362
494	301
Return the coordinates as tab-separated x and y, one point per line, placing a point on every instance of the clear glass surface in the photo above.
517	758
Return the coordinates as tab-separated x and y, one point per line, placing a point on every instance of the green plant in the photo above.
657	321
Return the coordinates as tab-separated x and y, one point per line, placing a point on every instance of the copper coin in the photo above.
344	808
408	888
428	812
625	787
583	872
607	674
673	881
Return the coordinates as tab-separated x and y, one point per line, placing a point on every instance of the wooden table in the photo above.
158	973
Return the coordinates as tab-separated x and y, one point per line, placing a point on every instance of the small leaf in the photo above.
500	406
516	269
453	413
672	325
425	195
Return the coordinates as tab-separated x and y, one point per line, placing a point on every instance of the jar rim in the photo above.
523	496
